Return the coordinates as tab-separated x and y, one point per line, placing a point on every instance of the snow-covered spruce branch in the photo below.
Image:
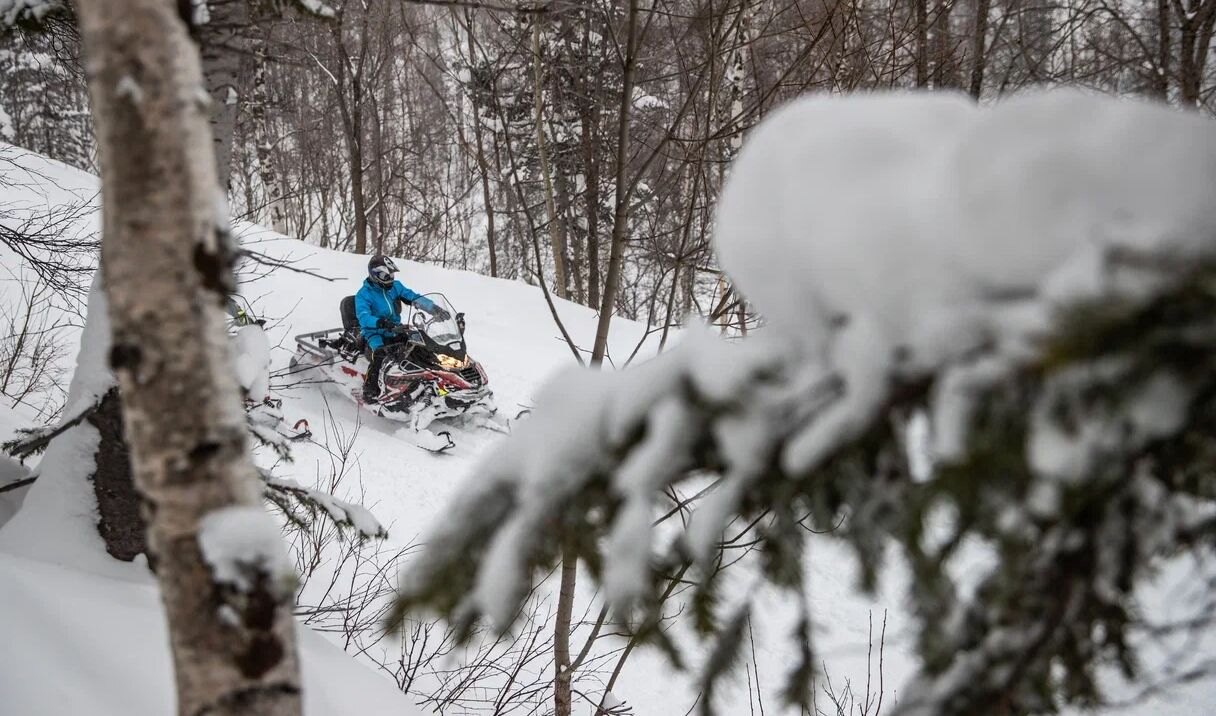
1074	548
1071	399
289	496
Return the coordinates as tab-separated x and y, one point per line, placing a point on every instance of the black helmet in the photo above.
380	270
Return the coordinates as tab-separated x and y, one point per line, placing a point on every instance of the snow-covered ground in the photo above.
92	641
82	643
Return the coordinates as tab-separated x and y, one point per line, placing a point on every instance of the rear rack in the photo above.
321	344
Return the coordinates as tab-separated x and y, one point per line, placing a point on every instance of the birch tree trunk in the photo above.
223	47
259	112
167	270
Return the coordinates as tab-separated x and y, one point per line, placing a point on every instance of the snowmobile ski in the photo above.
299	431
438	443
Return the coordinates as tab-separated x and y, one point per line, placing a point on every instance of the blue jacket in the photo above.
374	302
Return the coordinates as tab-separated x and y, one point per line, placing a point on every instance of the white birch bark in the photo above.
166	270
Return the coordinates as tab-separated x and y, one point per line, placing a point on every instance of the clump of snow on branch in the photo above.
251	347
6	125
266	424
904	233
317	8
244	549
200	14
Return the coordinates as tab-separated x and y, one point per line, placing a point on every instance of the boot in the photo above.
371	385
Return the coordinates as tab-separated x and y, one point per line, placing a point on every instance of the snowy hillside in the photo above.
510	330
76	624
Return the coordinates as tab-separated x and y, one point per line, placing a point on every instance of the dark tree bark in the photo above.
557	238
944	71
1196	25
589	119
979	50
1161	81
120	522
483	167
922	43
620	218
349	78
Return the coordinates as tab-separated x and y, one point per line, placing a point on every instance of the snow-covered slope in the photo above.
52	664
80	643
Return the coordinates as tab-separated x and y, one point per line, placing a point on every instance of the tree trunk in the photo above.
482	164
565	602
355	145
378	167
1161	82
922	43
487	198
1194	40
620	218
563	676
736	81
556	238
166	273
943	65
572	239
258	102
589	119
223	48
979	50
351	111
591	196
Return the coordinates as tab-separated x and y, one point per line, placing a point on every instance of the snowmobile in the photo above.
428	376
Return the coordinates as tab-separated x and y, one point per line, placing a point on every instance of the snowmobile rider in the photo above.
378	310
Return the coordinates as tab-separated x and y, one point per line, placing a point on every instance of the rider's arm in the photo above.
413	298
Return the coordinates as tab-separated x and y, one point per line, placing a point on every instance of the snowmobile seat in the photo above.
350	322
352	336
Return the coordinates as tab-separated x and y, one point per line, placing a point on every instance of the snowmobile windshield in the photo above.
443	331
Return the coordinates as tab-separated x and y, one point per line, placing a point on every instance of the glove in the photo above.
441	314
386	324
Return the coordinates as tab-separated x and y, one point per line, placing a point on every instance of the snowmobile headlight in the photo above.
447	362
